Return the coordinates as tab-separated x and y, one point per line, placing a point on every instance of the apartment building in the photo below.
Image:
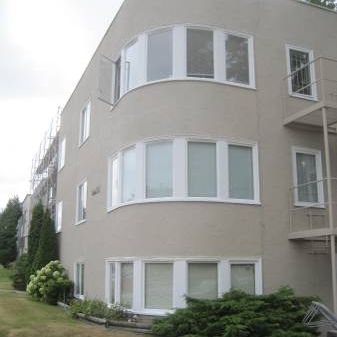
198	154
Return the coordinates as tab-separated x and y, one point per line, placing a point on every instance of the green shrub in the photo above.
49	283
238	314
19	277
97	308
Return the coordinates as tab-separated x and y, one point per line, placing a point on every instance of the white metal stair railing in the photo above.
329	319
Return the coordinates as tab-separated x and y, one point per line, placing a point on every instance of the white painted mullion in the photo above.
219	55
179	283
179	168
224	281
123	73
140	175
137	285
179	52
221	149
120	177
252	80
258	278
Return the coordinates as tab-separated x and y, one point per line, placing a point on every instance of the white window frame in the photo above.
319	174
62	154
180	57
59	215
310	52
180	278
85	127
76	281
83	183
180	172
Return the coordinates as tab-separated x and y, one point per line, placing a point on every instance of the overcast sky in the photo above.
45	46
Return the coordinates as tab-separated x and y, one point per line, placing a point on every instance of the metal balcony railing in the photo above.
308	89
308	210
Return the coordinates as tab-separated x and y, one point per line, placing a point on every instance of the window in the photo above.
117	88
126	284
159	169
308	176
240	170
158	285
112	283
237	59
85	123
62	154
132	67
160	55
200	58
79	280
81	202
202	180
59	209
203	280
301	71
129	175
114	179
243	277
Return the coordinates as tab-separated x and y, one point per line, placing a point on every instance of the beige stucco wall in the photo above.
203	109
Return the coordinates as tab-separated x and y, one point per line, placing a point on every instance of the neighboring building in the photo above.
23	225
198	154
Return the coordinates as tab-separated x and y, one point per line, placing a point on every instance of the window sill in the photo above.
189	199
80	144
184	79
319	205
80	222
306	97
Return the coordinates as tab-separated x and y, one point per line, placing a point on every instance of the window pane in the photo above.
301	79
241	180
203	280
118	79
126	284
112	282
82	202
132	65
306	173
85	123
158	285
59	216
202	169
200	53
82	279
160	56
129	175
114	181
78	278
159	170
243	277
237	59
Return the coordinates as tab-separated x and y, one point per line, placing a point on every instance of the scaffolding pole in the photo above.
330	210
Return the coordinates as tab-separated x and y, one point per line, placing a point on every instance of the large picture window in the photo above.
200	53
159	169
160	55
243	277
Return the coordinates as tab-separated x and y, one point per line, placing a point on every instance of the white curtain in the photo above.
243	277
127	284
129	175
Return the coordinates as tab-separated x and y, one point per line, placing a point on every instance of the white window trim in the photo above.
180	278
84	181
88	106
78	296
180	172
59	216
62	154
319	173
313	96
179	61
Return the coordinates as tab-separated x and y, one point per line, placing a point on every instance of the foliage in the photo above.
34	236
8	223
238	314
49	283
331	4
47	250
19	277
97	308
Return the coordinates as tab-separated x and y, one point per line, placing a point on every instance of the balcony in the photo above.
309	219
307	91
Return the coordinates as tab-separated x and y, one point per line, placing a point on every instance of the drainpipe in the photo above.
330	210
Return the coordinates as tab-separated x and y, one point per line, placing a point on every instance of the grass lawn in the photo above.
22	317
5	282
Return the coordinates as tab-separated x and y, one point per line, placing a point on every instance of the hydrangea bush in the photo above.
50	283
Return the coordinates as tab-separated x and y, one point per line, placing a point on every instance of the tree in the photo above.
34	236
8	223
331	4
47	250
19	277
